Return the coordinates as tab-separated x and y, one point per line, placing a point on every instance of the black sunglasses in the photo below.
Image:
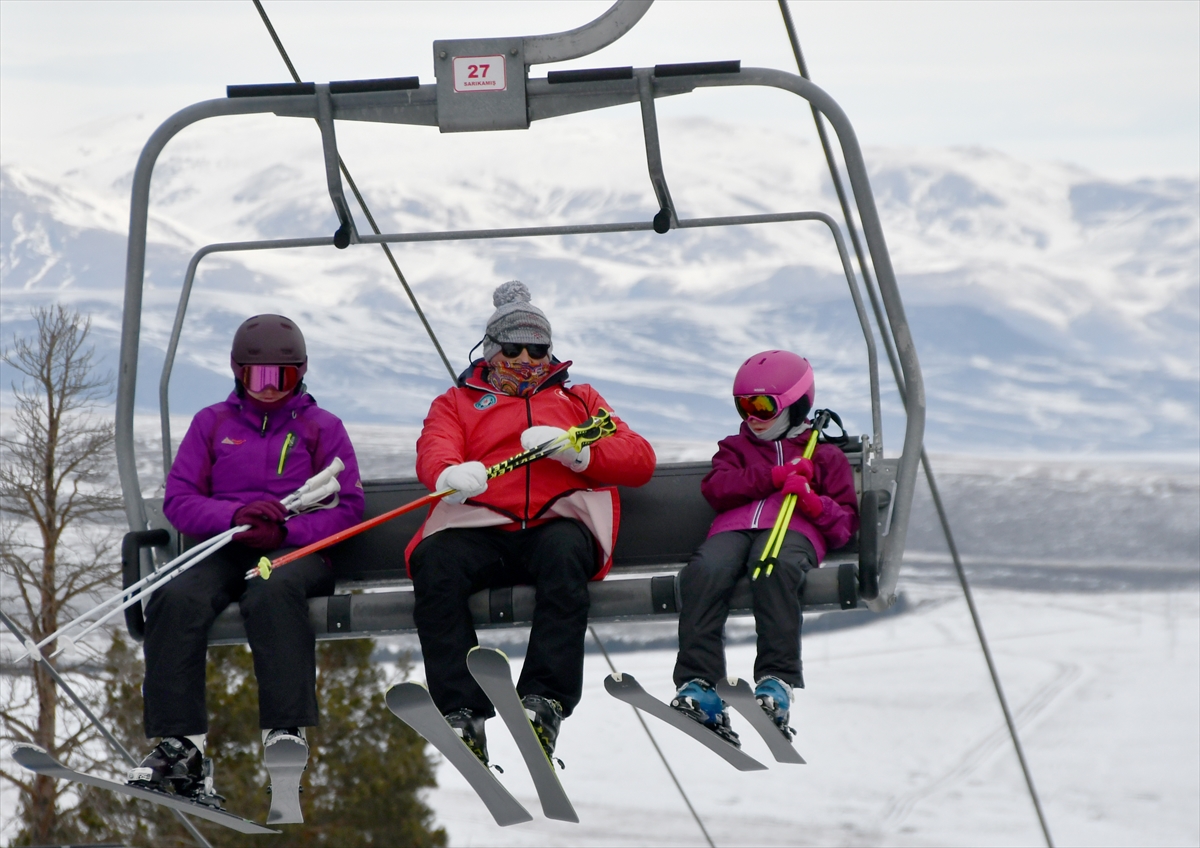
512	350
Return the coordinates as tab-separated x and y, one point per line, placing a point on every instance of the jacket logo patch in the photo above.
229	441
485	401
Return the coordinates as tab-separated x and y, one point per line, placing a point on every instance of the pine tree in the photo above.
365	775
56	536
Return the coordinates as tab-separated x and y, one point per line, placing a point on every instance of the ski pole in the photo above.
775	541
578	437
200	550
314	490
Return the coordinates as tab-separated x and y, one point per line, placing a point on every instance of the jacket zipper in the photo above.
528	468
761	504
264	426
287	446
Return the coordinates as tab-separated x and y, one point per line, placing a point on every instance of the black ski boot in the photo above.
546	716
175	765
469	727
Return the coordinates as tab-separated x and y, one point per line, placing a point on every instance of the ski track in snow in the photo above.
906	744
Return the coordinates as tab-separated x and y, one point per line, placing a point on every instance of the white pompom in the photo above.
510	292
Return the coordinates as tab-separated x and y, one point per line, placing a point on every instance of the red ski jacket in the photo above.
474	423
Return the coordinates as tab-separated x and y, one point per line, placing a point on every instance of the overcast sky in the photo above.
1114	87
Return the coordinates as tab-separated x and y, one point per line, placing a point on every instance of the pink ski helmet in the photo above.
770	382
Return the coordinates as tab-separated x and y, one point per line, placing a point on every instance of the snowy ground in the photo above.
904	740
1087	575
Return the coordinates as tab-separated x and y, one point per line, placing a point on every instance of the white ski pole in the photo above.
201	550
314	490
68	642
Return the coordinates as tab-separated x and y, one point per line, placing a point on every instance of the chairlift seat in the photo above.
662	524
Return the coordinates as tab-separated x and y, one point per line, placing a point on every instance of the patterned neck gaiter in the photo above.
518	379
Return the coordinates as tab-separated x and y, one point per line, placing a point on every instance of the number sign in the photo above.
479	73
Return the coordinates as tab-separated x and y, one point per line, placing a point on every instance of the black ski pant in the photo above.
557	558
706	586
275	613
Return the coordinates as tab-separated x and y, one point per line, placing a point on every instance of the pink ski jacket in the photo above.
739	488
233	454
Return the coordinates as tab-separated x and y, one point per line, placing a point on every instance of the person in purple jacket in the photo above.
237	461
752	472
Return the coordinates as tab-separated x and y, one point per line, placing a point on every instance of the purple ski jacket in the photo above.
233	454
739	488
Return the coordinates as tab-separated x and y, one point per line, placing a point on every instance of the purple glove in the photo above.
269	510
266	525
810	502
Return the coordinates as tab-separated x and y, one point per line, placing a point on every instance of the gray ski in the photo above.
740	696
285	759
410	702
490	669
623	687
37	760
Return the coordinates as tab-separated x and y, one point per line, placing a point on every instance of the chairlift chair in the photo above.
663	522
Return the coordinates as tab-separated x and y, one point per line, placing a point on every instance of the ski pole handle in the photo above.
320	480
593	430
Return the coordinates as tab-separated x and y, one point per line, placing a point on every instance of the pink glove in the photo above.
266	525
810	502
797	467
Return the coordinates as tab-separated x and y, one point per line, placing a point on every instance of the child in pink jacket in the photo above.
752	473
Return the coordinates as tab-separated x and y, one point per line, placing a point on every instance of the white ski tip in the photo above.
67	646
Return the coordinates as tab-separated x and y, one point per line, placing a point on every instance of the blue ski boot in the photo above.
775	697
698	700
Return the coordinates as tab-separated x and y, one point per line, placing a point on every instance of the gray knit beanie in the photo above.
515	319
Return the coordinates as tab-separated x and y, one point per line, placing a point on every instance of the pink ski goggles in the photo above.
283	378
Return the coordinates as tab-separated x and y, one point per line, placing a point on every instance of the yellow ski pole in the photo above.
784	518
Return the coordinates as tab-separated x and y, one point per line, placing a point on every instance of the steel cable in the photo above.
363	204
657	749
933	489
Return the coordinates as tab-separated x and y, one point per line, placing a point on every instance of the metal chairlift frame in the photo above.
886	484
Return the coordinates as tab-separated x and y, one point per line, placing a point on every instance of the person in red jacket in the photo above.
752	473
552	524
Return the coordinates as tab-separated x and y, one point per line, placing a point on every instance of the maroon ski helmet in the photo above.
268	340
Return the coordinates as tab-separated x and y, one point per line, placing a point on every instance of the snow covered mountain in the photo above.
1052	309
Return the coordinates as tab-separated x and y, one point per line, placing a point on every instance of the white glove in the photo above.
468	480
575	460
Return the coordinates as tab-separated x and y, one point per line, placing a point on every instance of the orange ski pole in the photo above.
592	430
